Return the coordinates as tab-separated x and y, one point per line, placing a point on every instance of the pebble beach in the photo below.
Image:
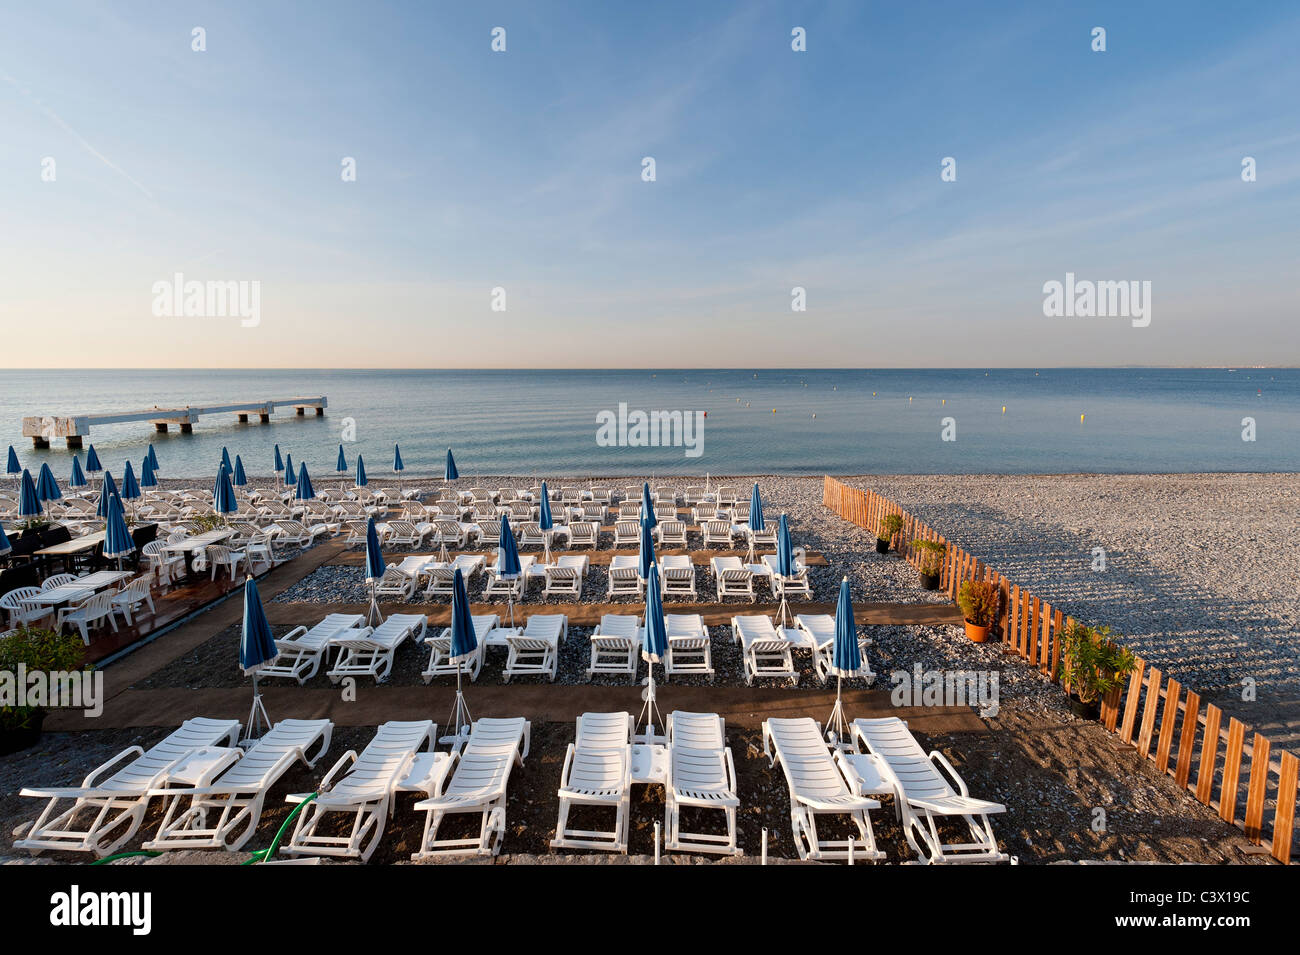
1174	553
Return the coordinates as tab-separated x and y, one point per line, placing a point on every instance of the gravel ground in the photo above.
849	550
1198	574
1051	770
1050	814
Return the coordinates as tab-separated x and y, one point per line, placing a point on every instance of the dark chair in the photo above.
21	575
57	534
28	542
97	560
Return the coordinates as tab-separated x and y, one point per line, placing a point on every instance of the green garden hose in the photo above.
261	855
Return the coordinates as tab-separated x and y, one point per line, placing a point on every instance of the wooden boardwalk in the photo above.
150	652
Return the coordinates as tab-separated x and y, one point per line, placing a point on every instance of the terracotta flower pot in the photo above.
976	634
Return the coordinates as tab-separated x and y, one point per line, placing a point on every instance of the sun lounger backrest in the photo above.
809	767
756	628
385	756
889	739
820	625
697	730
486	761
603	731
684	624
618	625
256	766
191	735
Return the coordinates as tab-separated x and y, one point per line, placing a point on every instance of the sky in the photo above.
522	170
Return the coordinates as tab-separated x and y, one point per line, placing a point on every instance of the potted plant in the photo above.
36	650
979	601
931	554
1092	665
890	525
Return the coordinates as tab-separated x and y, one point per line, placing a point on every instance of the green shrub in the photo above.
37	649
931	554
979	601
1092	663
890	525
202	523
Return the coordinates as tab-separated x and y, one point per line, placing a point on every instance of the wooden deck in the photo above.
168	635
356	557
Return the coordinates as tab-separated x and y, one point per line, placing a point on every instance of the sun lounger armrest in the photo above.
215	789
942	761
103	768
731	768
75	792
568	759
768	750
293	634
347	759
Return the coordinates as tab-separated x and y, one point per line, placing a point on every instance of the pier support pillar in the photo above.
301	411
243	418
74	442
266	418
39	442
187	428
160	427
320	412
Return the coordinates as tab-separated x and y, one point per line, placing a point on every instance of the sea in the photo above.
743	421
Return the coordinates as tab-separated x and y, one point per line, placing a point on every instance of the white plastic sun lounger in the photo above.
690	649
478	785
796	585
678	575
624	578
817	788
563	580
302	650
370	652
440	649
922	794
361	786
702	775
614	646
107	809
224	814
764	651
536	651
396	582
597	772
733	578
497	587
821	627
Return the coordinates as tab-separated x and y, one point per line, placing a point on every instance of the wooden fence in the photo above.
1165	722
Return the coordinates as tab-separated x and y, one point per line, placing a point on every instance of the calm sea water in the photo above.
773	421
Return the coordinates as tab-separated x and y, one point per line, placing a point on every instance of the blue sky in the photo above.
775	169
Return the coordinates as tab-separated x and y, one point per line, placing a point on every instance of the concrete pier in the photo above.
43	429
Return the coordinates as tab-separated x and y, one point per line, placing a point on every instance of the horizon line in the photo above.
651	368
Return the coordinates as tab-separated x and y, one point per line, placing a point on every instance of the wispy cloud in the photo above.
81	140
